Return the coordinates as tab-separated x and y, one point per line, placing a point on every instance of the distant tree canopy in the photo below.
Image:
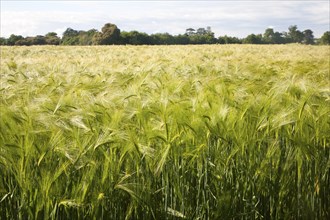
13	39
253	39
294	35
70	37
135	38
229	40
271	37
111	34
325	39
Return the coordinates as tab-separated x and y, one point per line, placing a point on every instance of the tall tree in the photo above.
13	39
268	36
190	31
295	35
38	40
86	37
110	35
308	37
201	31
325	39
253	39
70	37
3	41
278	38
52	38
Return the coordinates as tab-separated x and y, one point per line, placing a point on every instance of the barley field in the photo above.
165	132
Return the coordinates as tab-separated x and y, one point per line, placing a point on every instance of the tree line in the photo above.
110	34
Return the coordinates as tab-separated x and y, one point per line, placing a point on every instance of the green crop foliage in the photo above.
165	132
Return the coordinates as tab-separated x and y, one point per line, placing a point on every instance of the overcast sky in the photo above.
234	18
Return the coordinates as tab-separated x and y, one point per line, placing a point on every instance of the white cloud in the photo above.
236	18
33	23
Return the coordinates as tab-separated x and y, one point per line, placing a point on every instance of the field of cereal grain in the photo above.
165	132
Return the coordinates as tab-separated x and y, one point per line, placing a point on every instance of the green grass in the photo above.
165	132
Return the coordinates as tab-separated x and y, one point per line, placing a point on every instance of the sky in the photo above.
233	18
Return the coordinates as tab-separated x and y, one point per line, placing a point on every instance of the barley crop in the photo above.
165	132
